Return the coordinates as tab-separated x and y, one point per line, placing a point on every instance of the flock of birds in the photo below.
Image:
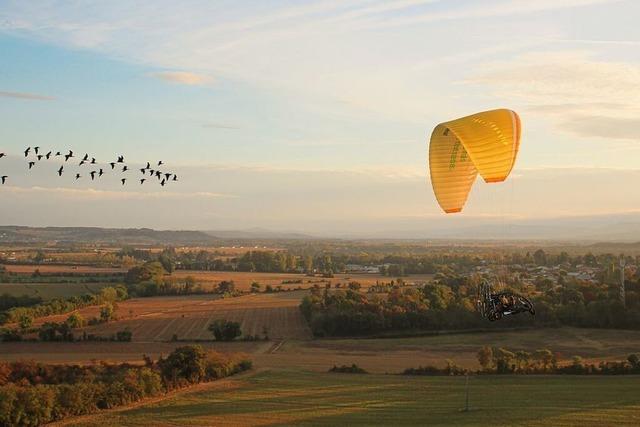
34	155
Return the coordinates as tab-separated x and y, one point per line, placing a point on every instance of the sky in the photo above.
314	116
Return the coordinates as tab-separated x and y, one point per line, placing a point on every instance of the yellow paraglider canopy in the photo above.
485	143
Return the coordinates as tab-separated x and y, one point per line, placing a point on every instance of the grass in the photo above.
48	291
285	397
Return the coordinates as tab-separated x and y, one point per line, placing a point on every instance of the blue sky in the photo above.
314	116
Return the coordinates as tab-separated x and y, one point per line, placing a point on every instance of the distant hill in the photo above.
146	236
258	233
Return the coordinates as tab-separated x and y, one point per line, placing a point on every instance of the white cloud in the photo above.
582	95
26	95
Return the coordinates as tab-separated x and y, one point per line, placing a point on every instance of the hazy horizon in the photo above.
313	117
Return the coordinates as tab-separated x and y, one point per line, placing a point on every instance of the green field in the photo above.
283	397
48	291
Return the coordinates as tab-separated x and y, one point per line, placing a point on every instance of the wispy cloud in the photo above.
182	77
95	194
26	95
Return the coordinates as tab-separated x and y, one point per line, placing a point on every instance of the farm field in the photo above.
159	318
243	280
392	355
48	291
62	268
283	397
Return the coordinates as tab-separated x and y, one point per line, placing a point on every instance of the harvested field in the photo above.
159	318
48	291
243	281
58	269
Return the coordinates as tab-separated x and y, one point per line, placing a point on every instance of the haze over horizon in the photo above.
315	116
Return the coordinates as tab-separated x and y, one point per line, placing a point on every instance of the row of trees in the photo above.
25	315
33	394
448	302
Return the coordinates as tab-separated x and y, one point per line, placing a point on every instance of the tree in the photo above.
540	257
485	357
107	312
225	330
226	286
25	321
186	363
75	320
189	284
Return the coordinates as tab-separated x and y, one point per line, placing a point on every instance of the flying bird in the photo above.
158	173
123	180
31	164
26	152
175	177
39	156
142	181
2	155
60	170
48	155
113	165
58	153
93	175
93	160
160	163
86	157
148	165
100	172
143	170
167	176
120	159
4	178
151	172
125	168
68	156
82	162
78	176
36	149
162	182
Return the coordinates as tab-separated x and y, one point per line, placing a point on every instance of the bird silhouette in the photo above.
93	160
86	157
60	170
4	178
2	155
93	175
120	159
78	176
113	165
48	155
162	182
167	176
36	149
82	162
125	168
151	172
158	173
175	177
68	156
31	164
58	153
26	152
39	156
142	181
143	170
123	180
160	163
100	172
148	165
